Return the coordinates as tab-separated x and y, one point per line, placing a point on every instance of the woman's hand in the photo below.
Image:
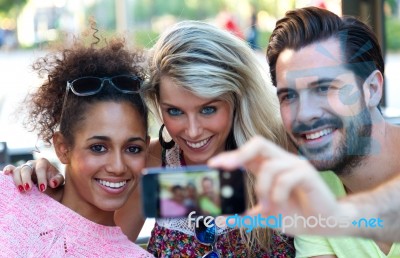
39	171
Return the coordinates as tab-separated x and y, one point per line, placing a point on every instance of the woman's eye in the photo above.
134	149
208	110
98	148
174	112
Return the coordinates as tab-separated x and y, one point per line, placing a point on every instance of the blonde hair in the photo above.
212	63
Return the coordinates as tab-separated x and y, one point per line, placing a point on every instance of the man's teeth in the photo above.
197	145
313	136
112	184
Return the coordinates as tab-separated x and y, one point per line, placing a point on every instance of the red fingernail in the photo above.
27	187
54	182
20	188
42	187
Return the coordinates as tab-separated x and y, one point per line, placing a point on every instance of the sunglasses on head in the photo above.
207	236
90	85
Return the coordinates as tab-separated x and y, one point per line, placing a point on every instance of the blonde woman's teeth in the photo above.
197	145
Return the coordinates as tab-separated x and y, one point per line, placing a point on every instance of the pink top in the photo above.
32	224
170	208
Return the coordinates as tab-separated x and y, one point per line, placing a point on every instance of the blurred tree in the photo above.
183	9
8	5
393	6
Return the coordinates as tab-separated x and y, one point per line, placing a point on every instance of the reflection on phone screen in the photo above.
181	194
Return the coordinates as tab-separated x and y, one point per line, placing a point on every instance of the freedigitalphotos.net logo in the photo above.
283	222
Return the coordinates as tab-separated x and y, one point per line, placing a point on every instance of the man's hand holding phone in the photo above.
287	185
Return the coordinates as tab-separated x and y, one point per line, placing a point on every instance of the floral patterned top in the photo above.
174	238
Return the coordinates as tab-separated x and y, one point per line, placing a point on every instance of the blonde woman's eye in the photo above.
174	112
208	110
98	148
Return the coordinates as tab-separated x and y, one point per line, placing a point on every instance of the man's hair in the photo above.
305	26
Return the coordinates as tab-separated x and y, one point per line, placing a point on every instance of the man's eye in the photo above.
323	88
174	112
134	149
98	148
288	96
208	110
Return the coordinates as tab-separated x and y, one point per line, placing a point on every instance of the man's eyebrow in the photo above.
318	82
323	81
283	90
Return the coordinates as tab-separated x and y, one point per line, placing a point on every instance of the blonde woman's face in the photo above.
200	126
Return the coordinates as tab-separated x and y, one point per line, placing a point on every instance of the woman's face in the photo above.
106	159
200	126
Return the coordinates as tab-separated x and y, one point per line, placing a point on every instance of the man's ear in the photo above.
373	89
61	147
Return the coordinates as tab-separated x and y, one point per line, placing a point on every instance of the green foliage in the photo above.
183	9
393	33
145	38
8	5
263	39
392	4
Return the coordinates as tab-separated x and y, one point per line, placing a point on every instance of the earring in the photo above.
164	144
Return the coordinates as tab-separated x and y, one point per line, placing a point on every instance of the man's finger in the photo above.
257	148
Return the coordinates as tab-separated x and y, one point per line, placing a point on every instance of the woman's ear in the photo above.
61	147
373	89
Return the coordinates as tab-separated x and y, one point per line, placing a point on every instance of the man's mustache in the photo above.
299	128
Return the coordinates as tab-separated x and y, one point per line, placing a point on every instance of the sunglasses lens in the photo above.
211	255
127	83
206	234
86	85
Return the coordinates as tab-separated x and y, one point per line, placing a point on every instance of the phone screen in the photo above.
170	193
182	193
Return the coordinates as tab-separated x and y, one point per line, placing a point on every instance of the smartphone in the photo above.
177	192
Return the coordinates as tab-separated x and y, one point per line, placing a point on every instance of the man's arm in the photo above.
383	202
288	186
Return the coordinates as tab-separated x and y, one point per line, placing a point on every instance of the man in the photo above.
329	76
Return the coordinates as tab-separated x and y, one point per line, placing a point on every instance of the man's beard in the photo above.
352	150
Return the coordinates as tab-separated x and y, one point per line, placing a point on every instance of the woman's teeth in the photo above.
199	144
112	184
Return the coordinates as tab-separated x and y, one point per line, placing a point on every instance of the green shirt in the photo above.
342	247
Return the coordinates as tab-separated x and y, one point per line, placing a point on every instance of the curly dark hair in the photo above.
45	106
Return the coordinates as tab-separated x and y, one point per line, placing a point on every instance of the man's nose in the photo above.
308	109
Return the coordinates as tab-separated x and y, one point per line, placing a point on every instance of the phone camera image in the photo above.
171	193
196	191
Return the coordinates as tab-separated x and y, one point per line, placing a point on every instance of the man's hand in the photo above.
286	185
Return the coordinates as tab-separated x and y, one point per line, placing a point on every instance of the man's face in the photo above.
322	107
